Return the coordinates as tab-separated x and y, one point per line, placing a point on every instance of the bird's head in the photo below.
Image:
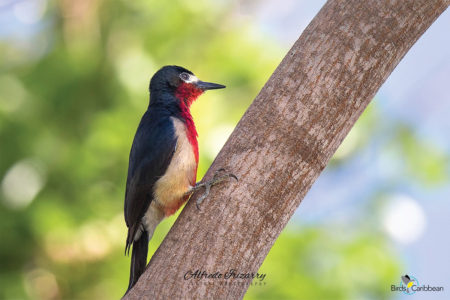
181	83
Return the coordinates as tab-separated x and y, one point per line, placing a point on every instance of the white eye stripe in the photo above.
188	78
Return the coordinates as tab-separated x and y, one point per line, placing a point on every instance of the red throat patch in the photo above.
187	93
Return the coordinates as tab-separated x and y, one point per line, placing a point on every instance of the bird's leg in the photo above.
217	178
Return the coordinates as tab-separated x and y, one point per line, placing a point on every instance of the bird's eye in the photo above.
185	76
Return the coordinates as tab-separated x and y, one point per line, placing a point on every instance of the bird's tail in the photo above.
138	259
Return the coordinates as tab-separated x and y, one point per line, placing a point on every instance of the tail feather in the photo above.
138	259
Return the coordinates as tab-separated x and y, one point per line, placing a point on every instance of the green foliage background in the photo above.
70	103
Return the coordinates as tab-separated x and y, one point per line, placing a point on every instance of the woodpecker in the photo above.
163	160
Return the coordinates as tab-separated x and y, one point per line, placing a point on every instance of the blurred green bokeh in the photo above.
68	114
70	101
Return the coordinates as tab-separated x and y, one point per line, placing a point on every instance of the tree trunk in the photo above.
283	142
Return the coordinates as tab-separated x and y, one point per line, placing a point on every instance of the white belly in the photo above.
169	191
180	176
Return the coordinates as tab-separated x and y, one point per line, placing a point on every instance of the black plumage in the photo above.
154	152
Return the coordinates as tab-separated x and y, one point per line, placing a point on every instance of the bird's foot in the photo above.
219	176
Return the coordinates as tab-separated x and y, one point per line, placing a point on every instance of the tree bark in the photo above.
283	142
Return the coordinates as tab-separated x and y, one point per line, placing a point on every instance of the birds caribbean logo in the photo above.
408	282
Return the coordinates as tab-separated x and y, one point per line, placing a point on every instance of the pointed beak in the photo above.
208	85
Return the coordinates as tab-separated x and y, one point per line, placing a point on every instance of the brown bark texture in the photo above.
283	142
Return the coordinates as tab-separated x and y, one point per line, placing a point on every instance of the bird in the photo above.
163	160
407	281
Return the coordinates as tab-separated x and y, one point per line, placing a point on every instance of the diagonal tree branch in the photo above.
284	141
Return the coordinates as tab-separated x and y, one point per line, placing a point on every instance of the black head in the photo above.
170	78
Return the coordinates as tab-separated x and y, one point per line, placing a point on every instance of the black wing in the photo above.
151	153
